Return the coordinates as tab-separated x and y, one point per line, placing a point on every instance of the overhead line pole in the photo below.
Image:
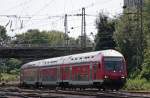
141	29
66	33
83	30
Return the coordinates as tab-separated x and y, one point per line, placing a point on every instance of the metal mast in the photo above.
66	33
83	30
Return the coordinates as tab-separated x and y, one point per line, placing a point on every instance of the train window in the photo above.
75	58
99	65
113	65
81	77
66	69
96	67
49	75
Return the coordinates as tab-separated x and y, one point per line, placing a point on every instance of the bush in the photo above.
145	73
15	71
137	84
9	77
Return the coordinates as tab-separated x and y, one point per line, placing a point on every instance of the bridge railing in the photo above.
43	46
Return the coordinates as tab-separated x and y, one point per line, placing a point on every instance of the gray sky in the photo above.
49	14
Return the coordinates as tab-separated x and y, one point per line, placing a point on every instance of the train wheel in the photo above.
101	89
36	85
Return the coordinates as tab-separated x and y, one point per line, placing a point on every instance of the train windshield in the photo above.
113	64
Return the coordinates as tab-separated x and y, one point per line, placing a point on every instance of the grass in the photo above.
5	77
137	85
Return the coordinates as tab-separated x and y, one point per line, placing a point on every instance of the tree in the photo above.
145	73
130	40
146	22
104	38
3	36
125	39
12	64
37	37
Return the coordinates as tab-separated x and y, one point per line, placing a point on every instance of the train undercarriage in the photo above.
107	84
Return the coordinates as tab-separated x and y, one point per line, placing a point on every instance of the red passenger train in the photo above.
100	69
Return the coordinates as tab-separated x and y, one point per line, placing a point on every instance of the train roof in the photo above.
75	58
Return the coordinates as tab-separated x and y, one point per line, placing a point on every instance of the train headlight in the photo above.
122	77
106	77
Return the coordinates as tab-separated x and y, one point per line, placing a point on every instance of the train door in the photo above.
30	75
85	72
96	71
49	75
81	74
58	74
21	75
65	73
38	76
64	76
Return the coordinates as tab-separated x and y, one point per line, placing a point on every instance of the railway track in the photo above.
16	92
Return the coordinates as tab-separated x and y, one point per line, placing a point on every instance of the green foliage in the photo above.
130	41
8	65
128	38
145	73
43	37
104	38
137	84
146	18
9	69
3	32
9	77
15	71
3	36
124	37
13	64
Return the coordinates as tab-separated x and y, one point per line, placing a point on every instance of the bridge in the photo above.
38	51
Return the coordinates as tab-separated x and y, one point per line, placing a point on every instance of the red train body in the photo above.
100	69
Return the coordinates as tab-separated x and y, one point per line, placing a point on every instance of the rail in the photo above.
12	91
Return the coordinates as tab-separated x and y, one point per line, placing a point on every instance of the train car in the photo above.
100	69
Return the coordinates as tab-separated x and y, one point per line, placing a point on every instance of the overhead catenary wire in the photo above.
37	12
46	18
47	4
91	5
54	18
18	5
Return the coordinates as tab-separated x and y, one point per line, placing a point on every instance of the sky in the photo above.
20	15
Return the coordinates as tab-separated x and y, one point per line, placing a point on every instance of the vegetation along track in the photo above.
16	92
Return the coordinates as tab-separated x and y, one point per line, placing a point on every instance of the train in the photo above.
105	69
